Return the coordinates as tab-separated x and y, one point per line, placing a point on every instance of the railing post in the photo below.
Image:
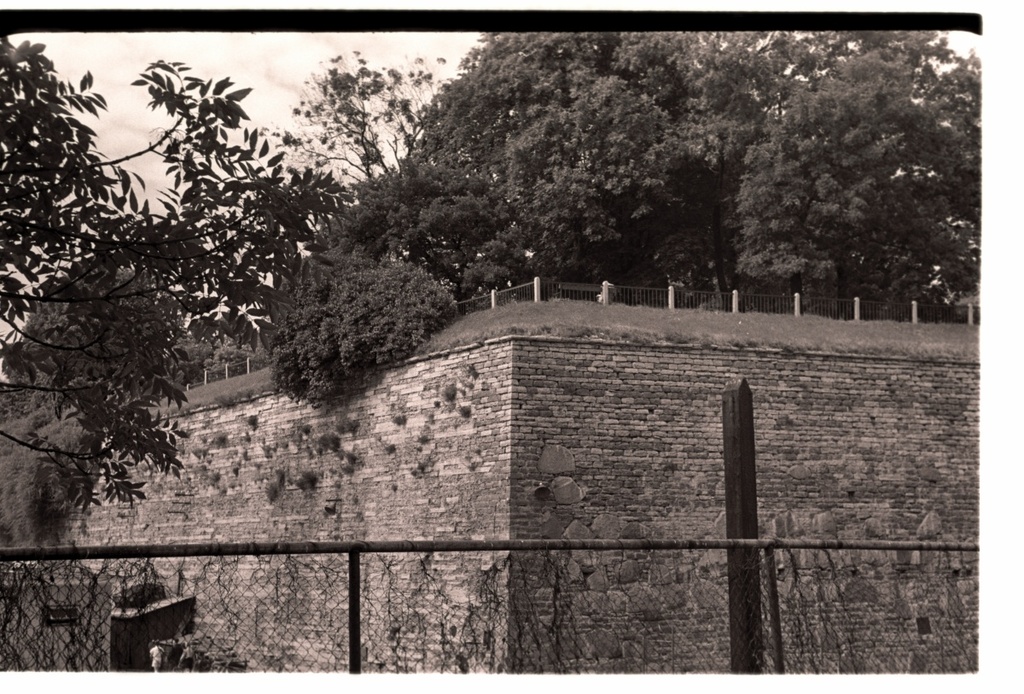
206	377
671	297
536	290
796	304
604	292
970	314
735	300
856	308
913	311
355	646
746	647
225	371
247	365
494	298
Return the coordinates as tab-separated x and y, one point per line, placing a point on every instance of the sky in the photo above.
275	65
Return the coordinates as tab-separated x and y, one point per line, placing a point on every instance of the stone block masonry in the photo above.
534	437
616	440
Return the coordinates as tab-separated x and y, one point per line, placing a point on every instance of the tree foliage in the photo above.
360	315
643	158
216	252
359	122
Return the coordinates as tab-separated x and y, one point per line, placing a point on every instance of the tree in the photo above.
361	315
585	155
452	224
358	122
868	181
217	255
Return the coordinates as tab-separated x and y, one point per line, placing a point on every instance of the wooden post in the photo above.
355	638
913	311
735	300
671	297
206	377
225	371
494	298
796	304
970	314
856	308
536	290
247	365
746	646
604	292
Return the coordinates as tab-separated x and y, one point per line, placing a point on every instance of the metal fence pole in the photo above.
355	646
773	609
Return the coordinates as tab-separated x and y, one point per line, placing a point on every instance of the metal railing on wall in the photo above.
238	368
678	297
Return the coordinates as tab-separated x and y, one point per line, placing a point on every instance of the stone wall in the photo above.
615	440
531	437
415	452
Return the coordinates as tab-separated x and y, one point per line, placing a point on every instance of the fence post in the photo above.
671	297
536	290
494	298
205	377
355	646
604	292
856	308
970	314
225	371
735	300
247	365
796	304
772	588
746	647
913	311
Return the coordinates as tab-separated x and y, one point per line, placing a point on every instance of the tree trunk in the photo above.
796	283
842	281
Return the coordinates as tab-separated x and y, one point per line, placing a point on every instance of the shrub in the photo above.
253	421
360	315
450	392
308	480
328	442
276	486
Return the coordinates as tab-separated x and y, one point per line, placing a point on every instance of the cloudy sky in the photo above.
275	65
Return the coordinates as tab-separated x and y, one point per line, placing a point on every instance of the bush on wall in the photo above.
356	315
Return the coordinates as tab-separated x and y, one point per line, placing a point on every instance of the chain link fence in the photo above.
515	607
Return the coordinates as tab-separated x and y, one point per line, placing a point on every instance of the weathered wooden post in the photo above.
735	300
494	298
856	308
671	297
970	314
913	312
745	638
796	304
604	292
536	290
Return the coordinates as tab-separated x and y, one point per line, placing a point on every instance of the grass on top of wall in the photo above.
658	326
694	327
226	391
